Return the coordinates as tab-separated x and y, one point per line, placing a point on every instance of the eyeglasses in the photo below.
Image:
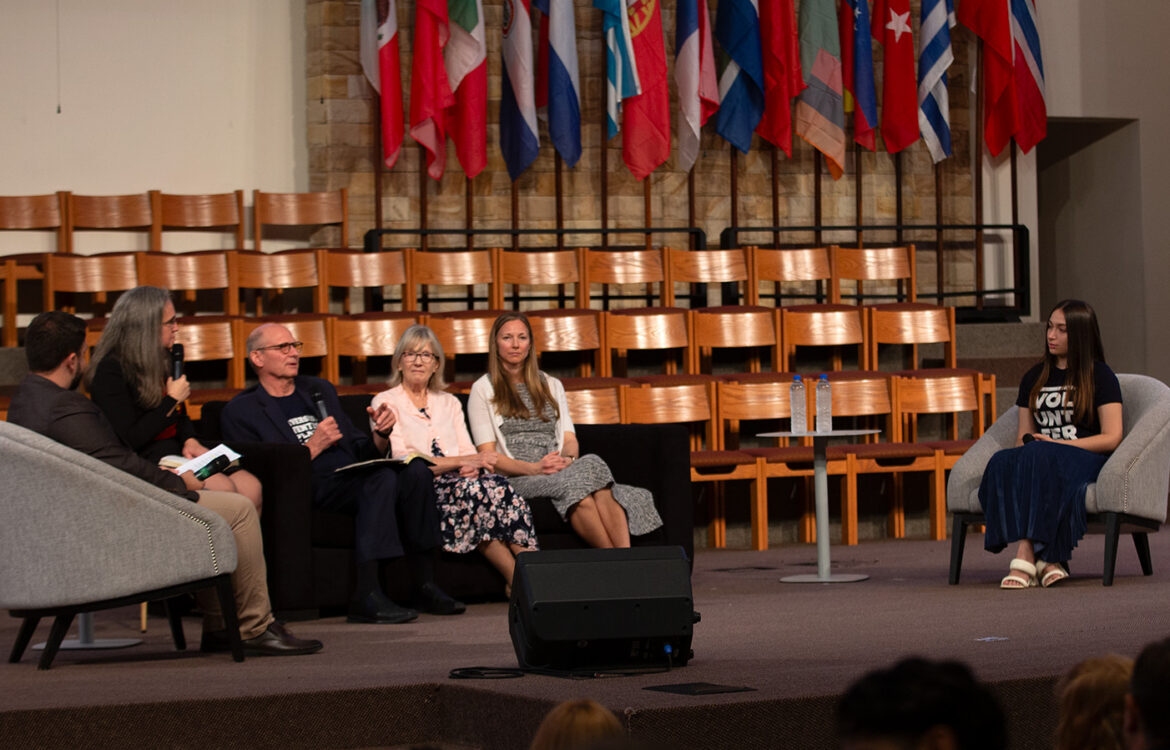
171	322
284	348
420	356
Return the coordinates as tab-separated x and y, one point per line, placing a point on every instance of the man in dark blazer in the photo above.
48	403
394	508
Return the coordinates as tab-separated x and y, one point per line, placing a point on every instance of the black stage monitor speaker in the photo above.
602	608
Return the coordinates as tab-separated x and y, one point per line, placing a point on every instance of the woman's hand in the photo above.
179	389
553	463
1042	437
193	448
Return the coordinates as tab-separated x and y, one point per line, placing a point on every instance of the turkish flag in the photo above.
646	117
891	27
989	20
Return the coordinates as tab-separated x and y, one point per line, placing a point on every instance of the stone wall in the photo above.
342	147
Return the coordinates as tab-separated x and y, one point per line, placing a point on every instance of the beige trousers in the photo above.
250	581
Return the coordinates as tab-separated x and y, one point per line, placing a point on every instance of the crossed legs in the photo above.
600	521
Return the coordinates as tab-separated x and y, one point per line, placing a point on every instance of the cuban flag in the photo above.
694	69
558	81
741	87
934	57
1029	75
519	141
621	72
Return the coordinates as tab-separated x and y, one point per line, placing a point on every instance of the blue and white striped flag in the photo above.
741	85
558	82
621	72
934	57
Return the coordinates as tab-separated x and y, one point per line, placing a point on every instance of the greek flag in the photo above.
621	73
934	57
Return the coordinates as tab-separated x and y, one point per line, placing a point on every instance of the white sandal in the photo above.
1050	573
1014	579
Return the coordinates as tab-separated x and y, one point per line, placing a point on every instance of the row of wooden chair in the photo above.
717	409
154	213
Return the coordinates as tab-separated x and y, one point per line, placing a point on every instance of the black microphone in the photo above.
319	402
176	361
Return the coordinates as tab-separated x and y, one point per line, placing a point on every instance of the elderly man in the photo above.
393	507
47	403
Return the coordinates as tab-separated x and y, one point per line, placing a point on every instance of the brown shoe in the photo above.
275	641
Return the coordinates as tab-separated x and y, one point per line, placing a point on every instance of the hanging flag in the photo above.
934	57
694	70
820	113
1029	75
621	71
646	117
379	51
782	78
466	61
857	70
891	27
430	91
741	86
558	82
989	20
519	142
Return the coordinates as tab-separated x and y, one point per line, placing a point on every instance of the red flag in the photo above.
468	121
430	92
989	20
646	117
857	71
782	75
891	27
391	82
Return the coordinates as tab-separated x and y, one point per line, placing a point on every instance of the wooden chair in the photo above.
826	325
108	212
212	338
646	329
803	273
558	331
870	264
88	274
459	268
462	333
912	324
354	269
595	400
624	268
312	329
366	335
272	274
191	273
27	213
531	269
217	212
318	209
949	393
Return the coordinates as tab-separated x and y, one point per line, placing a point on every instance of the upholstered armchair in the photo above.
77	535
1129	494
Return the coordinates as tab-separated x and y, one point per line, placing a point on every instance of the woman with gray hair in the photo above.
129	378
478	509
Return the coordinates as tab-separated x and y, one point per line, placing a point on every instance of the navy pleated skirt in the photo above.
1037	492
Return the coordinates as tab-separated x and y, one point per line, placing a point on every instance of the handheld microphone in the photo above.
319	402
176	361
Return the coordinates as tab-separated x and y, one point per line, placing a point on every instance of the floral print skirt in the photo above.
473	510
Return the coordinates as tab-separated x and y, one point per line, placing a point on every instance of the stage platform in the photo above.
796	646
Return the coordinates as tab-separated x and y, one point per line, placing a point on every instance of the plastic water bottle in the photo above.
824	404
796	406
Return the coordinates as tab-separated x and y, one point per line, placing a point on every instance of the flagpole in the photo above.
379	166
979	177
468	212
515	217
775	194
898	215
422	200
1015	218
817	197
940	279
558	186
691	207
649	220
734	174
857	196
604	162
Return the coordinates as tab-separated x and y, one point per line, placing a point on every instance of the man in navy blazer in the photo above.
394	508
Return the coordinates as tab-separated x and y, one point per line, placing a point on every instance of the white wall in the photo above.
185	96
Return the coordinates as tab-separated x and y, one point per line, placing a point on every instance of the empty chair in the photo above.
354	269
726	266
529	270
88	274
272	274
828	325
191	273
359	337
872	264
427	271
658	329
319	209
462	333
221	213
595	400
618	270
109	212
311	330
804	273
912	324
212	338
559	331
27	213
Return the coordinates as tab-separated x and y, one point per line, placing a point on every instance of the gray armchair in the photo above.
77	535
1129	494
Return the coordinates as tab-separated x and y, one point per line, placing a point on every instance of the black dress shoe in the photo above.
275	641
377	608
432	600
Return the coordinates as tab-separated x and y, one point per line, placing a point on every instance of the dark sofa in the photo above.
310	552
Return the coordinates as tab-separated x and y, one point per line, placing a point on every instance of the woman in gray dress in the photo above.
521	413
